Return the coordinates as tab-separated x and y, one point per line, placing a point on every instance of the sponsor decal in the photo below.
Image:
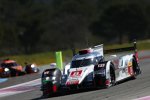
70	82
130	69
76	73
129	63
101	65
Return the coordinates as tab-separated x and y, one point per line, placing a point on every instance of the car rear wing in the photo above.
125	49
96	49
99	48
129	48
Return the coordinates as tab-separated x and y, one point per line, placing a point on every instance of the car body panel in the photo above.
77	75
121	64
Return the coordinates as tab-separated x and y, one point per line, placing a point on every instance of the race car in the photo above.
90	68
10	68
51	80
81	72
31	68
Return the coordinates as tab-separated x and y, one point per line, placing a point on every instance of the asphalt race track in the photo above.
128	90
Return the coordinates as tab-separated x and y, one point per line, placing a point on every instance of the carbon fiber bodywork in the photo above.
51	81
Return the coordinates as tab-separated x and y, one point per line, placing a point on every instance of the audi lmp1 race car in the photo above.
90	68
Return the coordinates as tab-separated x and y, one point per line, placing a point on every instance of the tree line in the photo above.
29	26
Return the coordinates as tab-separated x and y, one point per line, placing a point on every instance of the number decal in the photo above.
76	73
101	65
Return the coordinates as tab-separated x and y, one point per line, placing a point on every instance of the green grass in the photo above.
39	59
141	45
49	57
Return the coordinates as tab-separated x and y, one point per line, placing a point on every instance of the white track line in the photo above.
20	88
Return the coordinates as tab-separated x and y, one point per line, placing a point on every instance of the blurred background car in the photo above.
31	68
10	68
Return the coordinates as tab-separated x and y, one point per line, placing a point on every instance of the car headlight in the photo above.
50	78
53	78
47	78
32	66
6	69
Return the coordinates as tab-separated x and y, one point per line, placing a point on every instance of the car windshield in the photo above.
8	64
82	63
48	73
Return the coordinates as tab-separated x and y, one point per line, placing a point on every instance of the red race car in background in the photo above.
10	68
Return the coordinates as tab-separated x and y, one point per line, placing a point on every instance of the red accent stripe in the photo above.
107	82
54	88
72	82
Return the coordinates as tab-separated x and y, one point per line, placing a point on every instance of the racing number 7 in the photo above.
76	73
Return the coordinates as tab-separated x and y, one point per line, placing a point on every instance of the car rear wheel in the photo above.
136	67
111	81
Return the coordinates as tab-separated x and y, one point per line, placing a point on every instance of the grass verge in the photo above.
49	57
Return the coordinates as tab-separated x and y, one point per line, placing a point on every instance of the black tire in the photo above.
13	73
112	76
21	73
136	67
